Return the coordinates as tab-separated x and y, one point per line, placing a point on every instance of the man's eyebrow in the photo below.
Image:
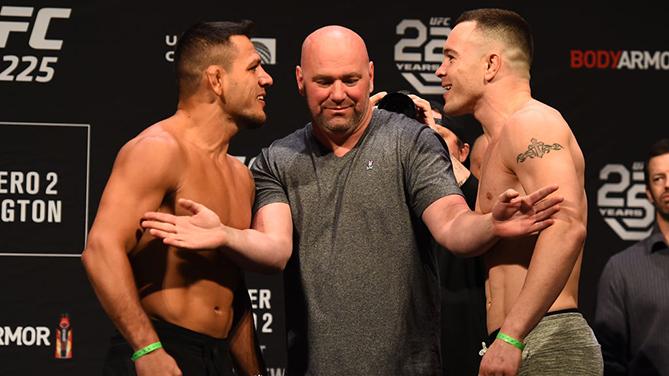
449	51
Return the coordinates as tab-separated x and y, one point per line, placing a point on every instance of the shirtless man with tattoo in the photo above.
182	312
532	284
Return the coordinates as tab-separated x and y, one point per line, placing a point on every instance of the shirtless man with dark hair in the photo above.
532	286
166	303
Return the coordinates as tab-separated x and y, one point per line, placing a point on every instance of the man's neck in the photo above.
207	127
341	144
500	103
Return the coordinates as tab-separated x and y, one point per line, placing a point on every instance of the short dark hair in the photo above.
506	25
399	102
194	50
660	147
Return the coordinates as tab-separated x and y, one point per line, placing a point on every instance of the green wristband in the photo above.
146	349
511	341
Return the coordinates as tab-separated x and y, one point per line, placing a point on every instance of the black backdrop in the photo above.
78	79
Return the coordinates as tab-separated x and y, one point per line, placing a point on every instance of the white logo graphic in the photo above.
44	188
622	202
420	52
38	41
25	336
261	304
266	48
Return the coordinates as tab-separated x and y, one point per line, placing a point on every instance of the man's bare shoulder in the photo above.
535	128
536	116
156	149
241	170
161	138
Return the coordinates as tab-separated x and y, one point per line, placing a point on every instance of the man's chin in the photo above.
336	125
663	213
252	122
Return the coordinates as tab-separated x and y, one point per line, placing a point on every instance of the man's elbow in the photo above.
96	254
577	232
278	264
284	255
90	255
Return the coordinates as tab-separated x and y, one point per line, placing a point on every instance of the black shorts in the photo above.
195	353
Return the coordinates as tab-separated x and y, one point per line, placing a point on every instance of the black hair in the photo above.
194	50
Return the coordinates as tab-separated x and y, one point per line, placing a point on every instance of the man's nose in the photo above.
338	93
265	79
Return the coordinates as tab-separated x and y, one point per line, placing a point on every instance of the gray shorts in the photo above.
561	344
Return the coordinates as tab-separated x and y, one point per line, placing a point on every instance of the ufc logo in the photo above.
38	39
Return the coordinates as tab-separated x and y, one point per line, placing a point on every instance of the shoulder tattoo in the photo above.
537	149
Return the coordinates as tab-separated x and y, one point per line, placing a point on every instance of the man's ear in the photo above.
371	77
300	80
464	152
493	64
215	76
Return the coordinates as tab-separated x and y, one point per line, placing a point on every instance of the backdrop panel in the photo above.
78	79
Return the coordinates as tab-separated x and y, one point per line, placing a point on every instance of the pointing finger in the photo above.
508	195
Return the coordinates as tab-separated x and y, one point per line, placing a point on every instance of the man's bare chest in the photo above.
496	178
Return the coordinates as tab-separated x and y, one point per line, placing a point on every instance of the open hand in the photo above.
201	230
514	215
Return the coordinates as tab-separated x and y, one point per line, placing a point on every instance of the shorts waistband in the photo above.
492	336
167	331
165	328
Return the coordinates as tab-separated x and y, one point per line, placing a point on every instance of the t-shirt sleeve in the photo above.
429	174
269	188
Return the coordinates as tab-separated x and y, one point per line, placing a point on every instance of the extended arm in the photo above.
467	233
265	248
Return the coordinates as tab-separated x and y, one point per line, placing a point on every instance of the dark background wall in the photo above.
78	79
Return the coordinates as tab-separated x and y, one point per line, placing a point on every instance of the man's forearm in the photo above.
114	285
469	234
244	348
257	251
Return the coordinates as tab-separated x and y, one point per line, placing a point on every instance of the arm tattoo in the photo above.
537	149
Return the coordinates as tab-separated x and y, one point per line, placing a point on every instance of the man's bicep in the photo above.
556	169
137	184
275	220
439	216
548	162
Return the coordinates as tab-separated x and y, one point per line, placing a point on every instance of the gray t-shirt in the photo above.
362	291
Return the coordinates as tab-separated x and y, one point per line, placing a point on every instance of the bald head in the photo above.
332	41
336	77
